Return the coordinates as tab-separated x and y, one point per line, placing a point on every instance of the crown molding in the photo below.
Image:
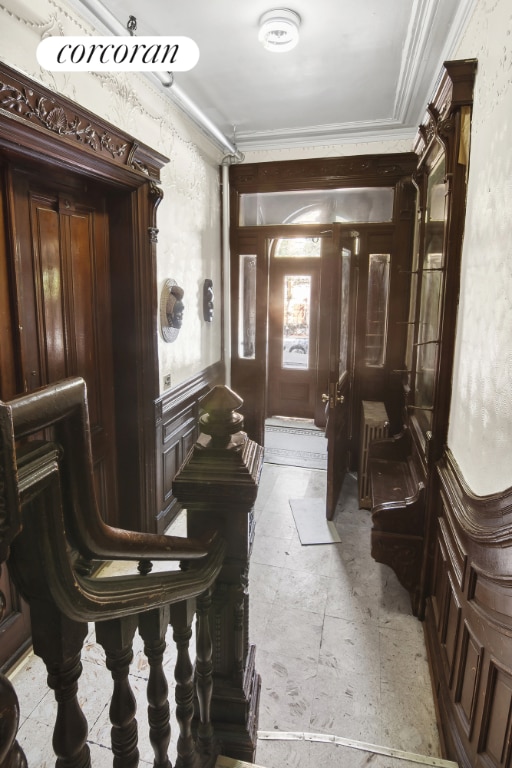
344	133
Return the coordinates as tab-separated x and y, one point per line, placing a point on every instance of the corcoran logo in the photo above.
121	54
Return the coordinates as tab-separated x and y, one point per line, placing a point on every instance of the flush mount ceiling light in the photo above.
279	30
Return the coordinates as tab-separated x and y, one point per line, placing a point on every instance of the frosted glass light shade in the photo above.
279	30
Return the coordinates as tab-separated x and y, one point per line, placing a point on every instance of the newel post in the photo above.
218	485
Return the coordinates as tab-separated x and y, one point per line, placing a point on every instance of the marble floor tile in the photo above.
349	646
303	590
286	695
276	523
417	732
269	550
293	633
357	714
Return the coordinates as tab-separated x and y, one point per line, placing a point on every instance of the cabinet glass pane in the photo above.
432	278
247	307
413	300
377	309
296	321
435	212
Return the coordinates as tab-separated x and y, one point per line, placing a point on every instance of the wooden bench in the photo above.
398	501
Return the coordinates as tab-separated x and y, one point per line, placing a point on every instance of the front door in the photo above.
294	319
311	341
339	336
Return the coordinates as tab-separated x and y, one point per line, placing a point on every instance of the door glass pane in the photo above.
247	308
345	311
320	206
377	309
296	321
297	248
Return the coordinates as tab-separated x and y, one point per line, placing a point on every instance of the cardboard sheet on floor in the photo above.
311	523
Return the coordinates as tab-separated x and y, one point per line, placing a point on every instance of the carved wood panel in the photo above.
495	741
468	678
177	428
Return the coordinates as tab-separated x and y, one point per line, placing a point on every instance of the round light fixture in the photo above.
279	30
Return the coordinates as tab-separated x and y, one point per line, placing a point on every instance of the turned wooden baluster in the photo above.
58	641
116	637
204	671
11	754
152	627
182	615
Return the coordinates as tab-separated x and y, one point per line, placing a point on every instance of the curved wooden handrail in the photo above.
63	406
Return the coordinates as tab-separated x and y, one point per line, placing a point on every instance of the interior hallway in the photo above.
338	650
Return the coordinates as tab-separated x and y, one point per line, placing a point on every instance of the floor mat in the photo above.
311	523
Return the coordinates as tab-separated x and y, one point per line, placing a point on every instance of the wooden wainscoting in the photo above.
177	428
469	621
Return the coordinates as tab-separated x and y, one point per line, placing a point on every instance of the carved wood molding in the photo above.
484	519
27	103
329	172
455	90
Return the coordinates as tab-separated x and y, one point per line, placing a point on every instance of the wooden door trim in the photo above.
68	135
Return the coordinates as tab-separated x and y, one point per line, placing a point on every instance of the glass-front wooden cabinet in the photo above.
403	468
443	150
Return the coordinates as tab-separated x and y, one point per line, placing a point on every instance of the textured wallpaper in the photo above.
189	239
480	435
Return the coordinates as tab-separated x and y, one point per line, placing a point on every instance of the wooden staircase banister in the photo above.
79	596
51	531
63	406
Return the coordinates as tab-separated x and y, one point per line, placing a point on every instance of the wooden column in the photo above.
218	485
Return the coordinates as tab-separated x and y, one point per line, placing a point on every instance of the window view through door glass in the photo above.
298	248
296	321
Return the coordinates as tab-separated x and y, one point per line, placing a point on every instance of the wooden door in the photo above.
294	311
338	339
62	264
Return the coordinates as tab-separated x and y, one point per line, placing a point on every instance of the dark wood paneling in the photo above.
495	742
469	621
176	430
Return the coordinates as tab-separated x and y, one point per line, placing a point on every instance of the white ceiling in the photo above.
363	69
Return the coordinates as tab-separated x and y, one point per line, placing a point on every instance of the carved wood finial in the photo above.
220	420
